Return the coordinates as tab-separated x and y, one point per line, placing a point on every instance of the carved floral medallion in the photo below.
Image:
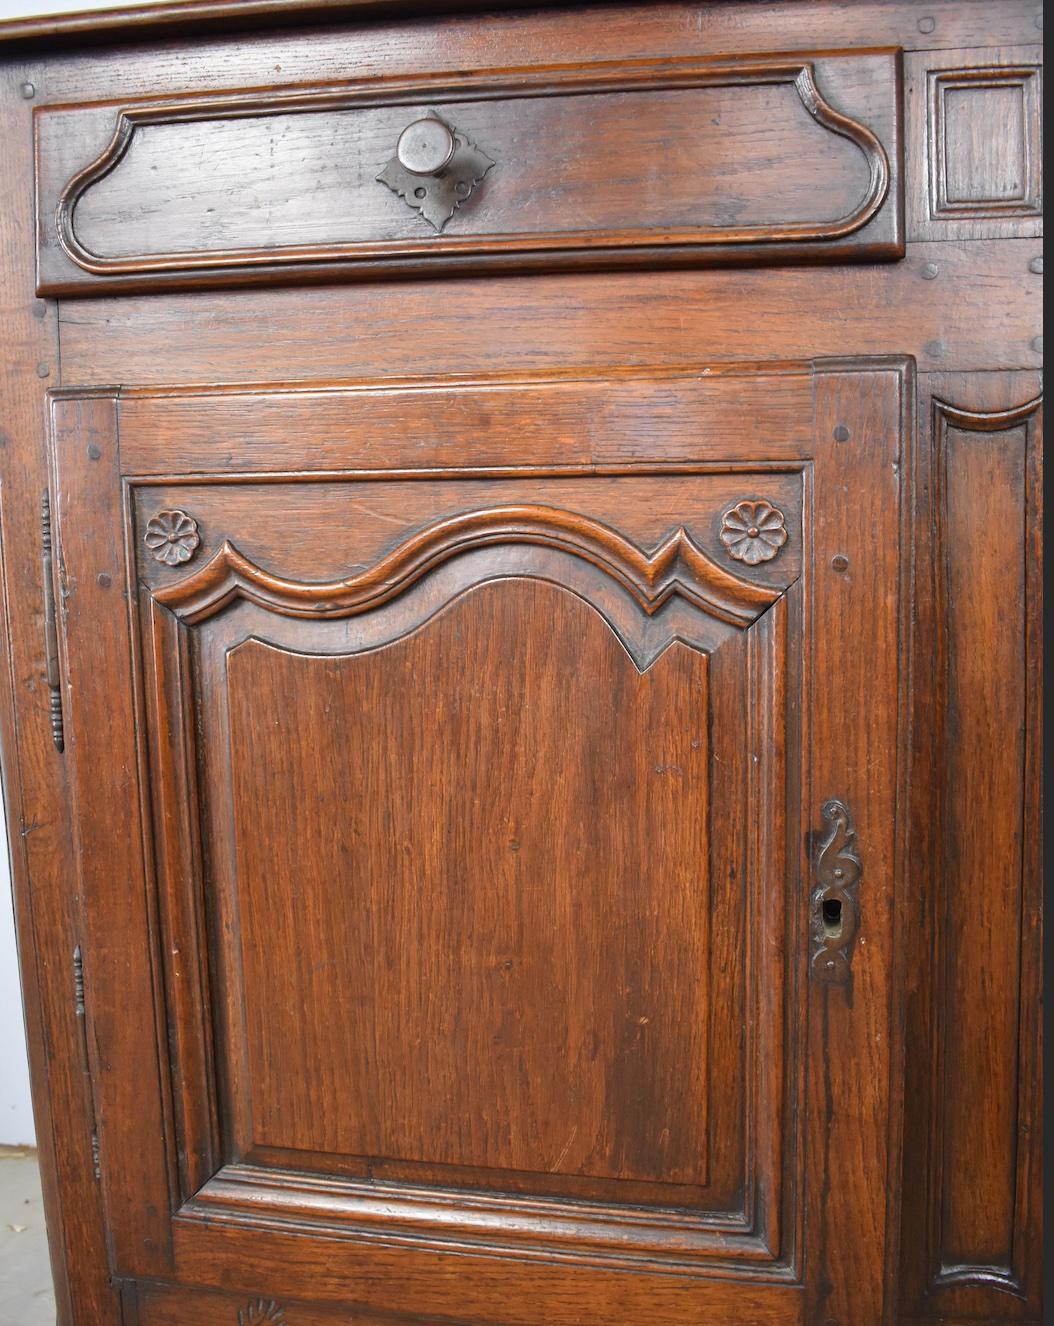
262	1312
172	537
753	532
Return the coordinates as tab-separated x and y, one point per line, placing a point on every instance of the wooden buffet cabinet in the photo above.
520	546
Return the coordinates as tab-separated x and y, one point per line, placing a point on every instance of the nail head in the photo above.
840	562
104	580
842	433
1037	344
93	451
1036	265
28	91
927	24
930	271
43	370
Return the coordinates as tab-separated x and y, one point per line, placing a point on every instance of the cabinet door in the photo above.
486	809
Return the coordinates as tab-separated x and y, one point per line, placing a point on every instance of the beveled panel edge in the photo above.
526	1228
1026	78
872	231
925	72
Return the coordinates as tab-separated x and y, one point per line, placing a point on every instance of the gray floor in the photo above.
25	1277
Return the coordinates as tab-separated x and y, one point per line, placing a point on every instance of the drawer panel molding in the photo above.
768	158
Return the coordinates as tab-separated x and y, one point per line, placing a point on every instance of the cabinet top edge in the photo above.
186	19
190	18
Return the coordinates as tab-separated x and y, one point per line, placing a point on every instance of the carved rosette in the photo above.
172	537
262	1312
753	532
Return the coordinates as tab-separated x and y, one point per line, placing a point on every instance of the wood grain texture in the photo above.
852	1035
587	419
973	1224
619	1086
677	568
714	1125
982	308
282	1066
272	525
974	143
126	1043
36	795
614	162
627	585
781	25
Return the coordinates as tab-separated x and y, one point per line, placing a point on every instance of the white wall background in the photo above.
16	1115
16	1118
31	8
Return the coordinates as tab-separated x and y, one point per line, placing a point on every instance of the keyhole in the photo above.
831	911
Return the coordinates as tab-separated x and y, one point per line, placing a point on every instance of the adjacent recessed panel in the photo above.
972	1229
976	143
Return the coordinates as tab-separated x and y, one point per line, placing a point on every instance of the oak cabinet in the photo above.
511	641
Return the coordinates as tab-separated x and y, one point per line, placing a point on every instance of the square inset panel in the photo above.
974	163
985	142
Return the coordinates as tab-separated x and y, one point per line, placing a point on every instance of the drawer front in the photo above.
770	158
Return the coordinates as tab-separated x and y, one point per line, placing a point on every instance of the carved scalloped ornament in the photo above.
262	1312
172	537
753	532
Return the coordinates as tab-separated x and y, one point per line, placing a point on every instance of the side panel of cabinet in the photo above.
972	1163
35	786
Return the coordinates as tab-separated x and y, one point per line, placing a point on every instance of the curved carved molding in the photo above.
677	567
573	80
986	421
646	639
1001	1278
